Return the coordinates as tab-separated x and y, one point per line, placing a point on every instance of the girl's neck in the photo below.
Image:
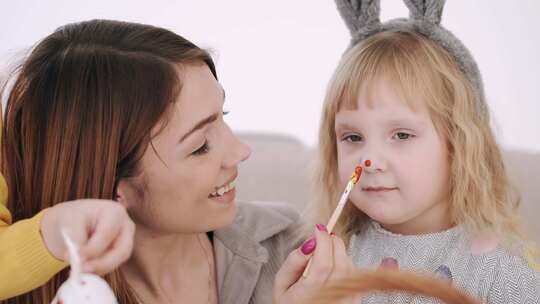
435	219
167	268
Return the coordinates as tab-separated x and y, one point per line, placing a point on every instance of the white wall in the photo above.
275	57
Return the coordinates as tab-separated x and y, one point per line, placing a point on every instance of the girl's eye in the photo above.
402	136
352	138
202	150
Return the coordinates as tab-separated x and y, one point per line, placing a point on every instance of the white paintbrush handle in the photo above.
335	216
339	208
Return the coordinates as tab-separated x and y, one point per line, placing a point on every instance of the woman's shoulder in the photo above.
279	209
264	220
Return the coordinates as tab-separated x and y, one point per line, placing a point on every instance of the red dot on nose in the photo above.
367	162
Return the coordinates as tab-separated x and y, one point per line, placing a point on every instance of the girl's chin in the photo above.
382	215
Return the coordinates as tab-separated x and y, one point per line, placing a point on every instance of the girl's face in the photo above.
189	170
406	188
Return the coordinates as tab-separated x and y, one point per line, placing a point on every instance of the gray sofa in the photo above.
279	169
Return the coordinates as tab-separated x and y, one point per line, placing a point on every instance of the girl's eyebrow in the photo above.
344	126
406	122
392	123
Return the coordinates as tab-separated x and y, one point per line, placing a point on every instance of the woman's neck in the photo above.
170	268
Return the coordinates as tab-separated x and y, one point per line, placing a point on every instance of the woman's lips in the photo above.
226	198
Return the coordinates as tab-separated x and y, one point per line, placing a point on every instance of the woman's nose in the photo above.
244	151
238	151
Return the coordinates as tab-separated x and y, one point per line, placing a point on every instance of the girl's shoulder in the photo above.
515	277
508	259
483	266
513	262
482	253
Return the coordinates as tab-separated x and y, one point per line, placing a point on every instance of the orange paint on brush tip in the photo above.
367	163
358	170
356	174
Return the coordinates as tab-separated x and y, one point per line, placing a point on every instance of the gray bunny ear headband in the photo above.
362	19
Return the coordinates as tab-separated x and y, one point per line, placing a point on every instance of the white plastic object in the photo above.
82	288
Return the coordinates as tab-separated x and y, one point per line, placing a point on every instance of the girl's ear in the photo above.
428	10
359	13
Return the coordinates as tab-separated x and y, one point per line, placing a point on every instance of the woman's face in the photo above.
188	172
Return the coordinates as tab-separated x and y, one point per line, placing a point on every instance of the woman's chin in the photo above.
223	217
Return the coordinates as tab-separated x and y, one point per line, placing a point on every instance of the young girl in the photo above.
436	199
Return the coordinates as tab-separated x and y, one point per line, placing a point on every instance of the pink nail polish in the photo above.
309	246
321	227
389	263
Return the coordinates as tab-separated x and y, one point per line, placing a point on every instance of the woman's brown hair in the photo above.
79	116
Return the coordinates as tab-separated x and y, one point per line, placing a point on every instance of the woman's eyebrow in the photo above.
200	125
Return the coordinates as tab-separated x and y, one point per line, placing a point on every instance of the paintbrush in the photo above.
355	177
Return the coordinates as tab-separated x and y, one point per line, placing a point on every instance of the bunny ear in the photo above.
74	258
429	10
359	13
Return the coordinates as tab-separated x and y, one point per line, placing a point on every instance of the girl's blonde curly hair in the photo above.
481	196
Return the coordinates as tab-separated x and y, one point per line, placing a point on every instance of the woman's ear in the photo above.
122	193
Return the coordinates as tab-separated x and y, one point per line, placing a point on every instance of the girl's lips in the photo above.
379	189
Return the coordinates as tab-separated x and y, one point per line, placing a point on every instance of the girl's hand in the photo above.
329	262
101	228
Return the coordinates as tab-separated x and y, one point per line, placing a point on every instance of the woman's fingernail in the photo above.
309	246
321	227
332	234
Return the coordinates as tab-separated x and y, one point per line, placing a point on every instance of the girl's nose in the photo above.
372	164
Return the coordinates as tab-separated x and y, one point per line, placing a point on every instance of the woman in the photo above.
130	112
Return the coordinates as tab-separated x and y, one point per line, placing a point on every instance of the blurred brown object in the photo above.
362	283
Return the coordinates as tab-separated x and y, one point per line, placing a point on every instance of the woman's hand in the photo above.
329	262
101	228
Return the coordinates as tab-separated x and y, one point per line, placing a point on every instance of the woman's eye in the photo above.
202	150
402	136
352	138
